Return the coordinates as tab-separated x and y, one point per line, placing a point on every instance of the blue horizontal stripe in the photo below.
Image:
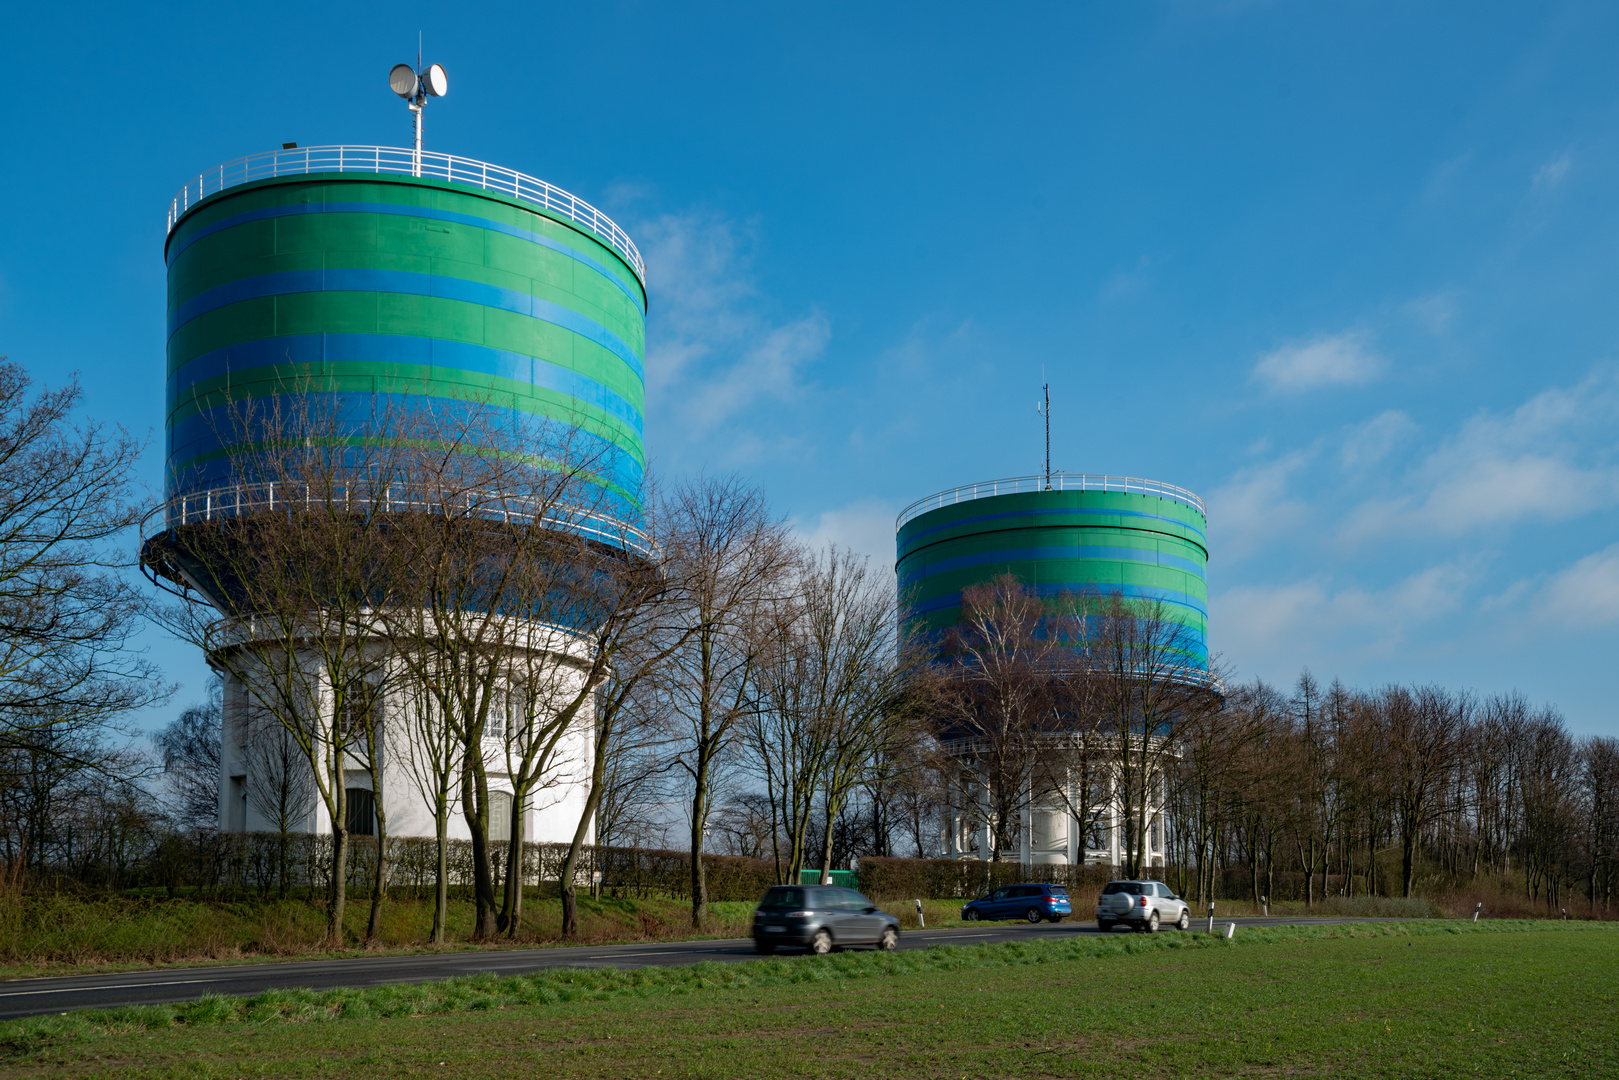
1058	589
223	426
316	349
1197	655
1111	554
914	537
414	212
407	283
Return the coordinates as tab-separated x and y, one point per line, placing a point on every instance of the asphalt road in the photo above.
31	997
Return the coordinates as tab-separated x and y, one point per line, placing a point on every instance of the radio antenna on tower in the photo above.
416	85
1045	411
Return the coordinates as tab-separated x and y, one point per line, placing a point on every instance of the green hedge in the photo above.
963	879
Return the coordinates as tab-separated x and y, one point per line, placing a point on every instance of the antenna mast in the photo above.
1045	411
416	85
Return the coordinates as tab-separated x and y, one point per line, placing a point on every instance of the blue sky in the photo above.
1347	273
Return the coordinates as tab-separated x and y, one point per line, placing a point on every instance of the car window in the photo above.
1135	888
1034	890
860	901
1000	894
852	901
1056	890
782	899
1166	892
1113	887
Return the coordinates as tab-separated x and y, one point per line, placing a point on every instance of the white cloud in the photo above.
1552	173
1585	594
1298	622
1434	312
1254	508
1345	359
712	353
1371	442
865	527
1501	468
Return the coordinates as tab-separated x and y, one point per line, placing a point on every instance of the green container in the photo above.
843	878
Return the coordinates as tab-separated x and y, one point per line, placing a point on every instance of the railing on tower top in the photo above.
239	500
1057	481
393	159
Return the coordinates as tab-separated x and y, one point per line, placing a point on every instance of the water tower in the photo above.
1061	535
368	280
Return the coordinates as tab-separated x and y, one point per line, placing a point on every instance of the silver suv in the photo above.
1144	905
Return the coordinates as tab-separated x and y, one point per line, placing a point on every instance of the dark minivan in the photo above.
820	918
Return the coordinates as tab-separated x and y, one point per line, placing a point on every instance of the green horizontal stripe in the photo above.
380	242
392	313
524	397
405	191
1078	573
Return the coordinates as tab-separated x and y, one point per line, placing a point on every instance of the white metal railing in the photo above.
393	159
235	500
1057	481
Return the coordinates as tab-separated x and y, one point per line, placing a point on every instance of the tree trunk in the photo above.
511	913
826	848
441	883
379	882
339	888
699	814
476	798
570	865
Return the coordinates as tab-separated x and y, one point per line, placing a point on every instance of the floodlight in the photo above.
402	80
436	80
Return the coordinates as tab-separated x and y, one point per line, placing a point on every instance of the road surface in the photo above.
31	997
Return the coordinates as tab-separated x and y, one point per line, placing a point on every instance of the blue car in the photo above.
1029	902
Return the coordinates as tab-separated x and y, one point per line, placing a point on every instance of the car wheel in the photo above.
1105	925
1033	915
1151	926
821	944
765	947
971	914
890	940
1185	921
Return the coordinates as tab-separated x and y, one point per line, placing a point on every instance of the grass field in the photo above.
1440	999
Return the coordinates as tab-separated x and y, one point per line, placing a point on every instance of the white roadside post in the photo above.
1211	916
1230	930
1478	907
920	923
1264	905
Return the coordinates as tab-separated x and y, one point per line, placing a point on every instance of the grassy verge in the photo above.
1409	999
60	935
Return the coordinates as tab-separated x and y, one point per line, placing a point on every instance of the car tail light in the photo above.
1143	901
794	914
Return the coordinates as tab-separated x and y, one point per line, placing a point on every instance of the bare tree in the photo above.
1599	781
486	627
294	566
1145	661
730	557
190	750
433	754
995	703
1423	732
68	611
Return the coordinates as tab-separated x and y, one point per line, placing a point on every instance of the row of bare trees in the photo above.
1395	791
468	609
1094	708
